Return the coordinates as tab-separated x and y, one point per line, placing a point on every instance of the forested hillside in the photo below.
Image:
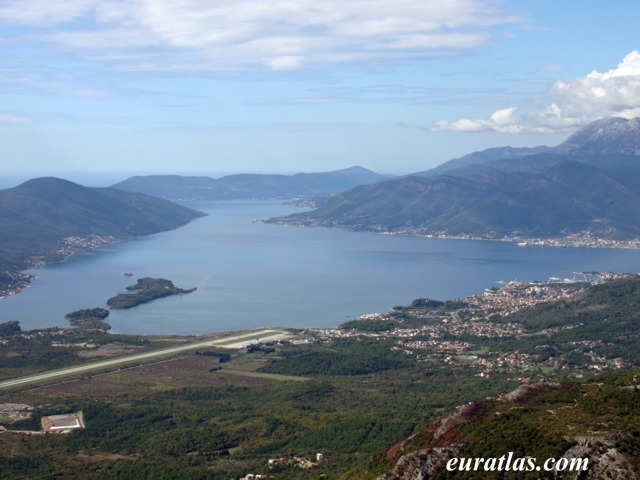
46	219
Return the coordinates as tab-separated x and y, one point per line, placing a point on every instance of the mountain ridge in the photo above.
247	185
590	193
475	159
607	137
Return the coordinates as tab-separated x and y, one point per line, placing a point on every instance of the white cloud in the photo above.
574	102
616	91
551	120
284	63
279	34
12	118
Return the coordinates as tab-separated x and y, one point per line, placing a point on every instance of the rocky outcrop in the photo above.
422	464
606	461
602	453
609	136
523	392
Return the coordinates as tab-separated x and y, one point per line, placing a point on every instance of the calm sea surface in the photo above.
252	275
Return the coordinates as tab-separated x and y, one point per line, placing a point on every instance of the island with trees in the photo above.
89	318
146	290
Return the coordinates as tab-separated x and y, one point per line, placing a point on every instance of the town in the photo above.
458	336
583	239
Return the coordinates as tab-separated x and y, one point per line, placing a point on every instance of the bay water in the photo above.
251	275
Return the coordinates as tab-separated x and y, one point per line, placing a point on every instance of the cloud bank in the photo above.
574	103
243	34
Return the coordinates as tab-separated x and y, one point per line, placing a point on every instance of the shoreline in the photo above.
557	242
69	247
596	277
574	240
74	245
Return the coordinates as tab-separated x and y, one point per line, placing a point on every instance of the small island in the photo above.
145	290
89	319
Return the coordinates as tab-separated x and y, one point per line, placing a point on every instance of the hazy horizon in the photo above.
107	178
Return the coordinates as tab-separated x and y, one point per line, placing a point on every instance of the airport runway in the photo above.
237	341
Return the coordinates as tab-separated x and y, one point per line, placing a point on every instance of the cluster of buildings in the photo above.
298	462
577	240
439	346
33	335
585	239
446	336
515	296
511	361
19	281
71	245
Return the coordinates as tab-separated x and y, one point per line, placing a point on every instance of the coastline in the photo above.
404	254
19	282
570	241
583	239
73	245
69	246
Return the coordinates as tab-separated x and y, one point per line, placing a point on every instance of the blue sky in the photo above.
195	86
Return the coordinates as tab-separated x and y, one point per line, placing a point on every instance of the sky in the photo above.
285	86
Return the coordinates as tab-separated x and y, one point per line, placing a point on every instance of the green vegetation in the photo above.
10	328
218	413
342	357
146	290
26	352
596	329
97	313
89	318
47	219
569	196
542	423
179	419
373	325
603	319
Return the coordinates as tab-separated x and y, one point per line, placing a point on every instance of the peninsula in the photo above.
581	193
46	220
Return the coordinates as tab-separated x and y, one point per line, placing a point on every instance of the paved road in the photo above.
236	341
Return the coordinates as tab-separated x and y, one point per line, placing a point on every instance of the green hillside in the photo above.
362	397
593	425
39	217
569	197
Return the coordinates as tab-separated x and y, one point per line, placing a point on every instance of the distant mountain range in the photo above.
46	219
589	184
231	187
